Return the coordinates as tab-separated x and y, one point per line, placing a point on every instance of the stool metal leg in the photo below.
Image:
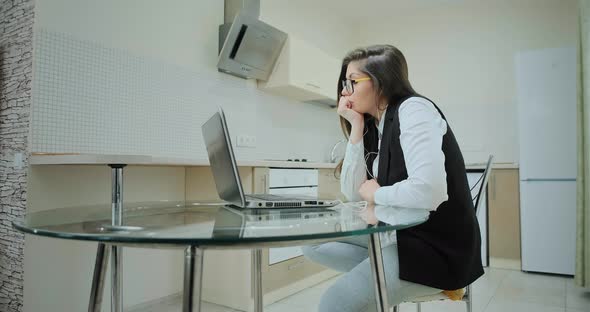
467	298
257	279
193	278
117	252
376	259
100	268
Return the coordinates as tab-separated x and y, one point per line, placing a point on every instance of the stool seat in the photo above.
438	296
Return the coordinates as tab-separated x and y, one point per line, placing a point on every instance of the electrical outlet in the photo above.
245	141
251	141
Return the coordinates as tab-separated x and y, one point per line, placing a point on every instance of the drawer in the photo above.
292	177
308	191
276	255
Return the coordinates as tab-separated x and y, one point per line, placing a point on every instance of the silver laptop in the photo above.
227	178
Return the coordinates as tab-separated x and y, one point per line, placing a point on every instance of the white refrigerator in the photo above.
546	83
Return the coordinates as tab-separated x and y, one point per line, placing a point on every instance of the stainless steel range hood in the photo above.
248	47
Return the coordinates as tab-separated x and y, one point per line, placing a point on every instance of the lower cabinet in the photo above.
288	182
227	277
285	266
504	218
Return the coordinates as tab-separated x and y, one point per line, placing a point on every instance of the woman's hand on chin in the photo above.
345	110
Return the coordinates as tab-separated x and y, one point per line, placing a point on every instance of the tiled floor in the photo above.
499	290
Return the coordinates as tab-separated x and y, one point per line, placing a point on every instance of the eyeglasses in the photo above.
348	84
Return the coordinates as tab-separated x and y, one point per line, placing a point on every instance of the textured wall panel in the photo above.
94	99
16	32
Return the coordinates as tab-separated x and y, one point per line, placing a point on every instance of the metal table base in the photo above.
100	268
193	266
116	252
376	259
193	276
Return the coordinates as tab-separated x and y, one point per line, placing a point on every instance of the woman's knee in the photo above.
344	298
338	256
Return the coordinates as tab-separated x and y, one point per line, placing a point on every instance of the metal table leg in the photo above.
117	252
116	279
193	277
376	259
100	268
257	279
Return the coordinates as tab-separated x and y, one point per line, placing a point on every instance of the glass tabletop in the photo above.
214	224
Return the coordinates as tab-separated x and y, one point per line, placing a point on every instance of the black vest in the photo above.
445	251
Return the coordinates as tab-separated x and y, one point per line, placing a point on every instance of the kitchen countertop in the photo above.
501	165
145	160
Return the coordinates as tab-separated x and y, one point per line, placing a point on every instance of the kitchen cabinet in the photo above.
228	274
304	73
73	180
288	182
504	218
285	265
329	184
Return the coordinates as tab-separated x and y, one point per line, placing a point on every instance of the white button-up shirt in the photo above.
421	131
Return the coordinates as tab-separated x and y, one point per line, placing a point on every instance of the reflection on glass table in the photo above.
200	226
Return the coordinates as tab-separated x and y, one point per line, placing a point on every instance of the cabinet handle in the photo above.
264	179
493	177
312	85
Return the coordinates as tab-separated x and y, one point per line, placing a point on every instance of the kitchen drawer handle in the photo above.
312	85
493	186
264	180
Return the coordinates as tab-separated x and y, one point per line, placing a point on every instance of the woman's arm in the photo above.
421	131
353	167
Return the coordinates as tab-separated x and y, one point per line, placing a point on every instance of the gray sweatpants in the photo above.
354	291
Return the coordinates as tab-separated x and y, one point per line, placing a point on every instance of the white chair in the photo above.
477	200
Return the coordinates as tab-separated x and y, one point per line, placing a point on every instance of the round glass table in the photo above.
198	226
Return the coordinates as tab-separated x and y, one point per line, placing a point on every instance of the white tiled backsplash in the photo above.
89	98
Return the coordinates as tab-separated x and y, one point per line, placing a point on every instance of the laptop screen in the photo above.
222	160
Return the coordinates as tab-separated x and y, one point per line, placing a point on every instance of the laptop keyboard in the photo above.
267	197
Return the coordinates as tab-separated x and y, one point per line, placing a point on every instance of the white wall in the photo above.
462	57
309	21
153	82
182	32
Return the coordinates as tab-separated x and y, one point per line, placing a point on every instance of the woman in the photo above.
401	152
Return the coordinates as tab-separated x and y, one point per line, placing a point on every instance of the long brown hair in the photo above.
387	67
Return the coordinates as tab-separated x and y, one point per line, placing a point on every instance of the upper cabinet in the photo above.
304	73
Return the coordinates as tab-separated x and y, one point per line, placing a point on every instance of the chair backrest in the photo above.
484	183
